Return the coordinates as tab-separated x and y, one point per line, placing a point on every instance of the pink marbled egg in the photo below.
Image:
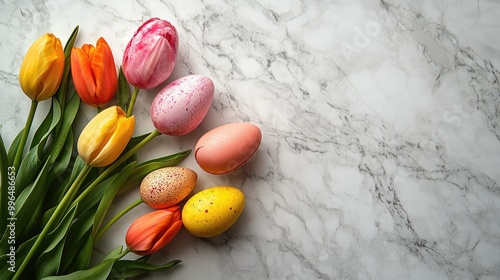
181	106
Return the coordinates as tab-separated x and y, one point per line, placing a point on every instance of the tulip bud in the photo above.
105	137
94	73
149	58
42	68
152	231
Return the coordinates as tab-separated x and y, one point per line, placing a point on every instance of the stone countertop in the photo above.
381	130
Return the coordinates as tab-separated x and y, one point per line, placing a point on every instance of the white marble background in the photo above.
381	129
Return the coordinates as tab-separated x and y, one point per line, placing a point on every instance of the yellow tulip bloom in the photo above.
42	68
105	137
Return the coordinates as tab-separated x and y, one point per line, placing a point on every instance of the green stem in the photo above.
132	101
116	218
117	163
60	210
126	251
24	137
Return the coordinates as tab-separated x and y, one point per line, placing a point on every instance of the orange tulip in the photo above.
152	231
94	73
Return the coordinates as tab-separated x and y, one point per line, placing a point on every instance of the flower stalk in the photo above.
116	218
24	137
132	101
60	210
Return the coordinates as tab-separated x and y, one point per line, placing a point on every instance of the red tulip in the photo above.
152	231
149	57
94	73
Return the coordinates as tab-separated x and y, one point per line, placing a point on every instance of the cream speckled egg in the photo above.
167	186
212	211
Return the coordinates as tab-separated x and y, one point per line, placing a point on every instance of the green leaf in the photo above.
97	272
31	164
65	126
61	91
58	192
4	186
64	159
109	195
123	91
75	243
28	170
48	124
144	168
49	261
13	147
82	258
132	268
20	254
28	213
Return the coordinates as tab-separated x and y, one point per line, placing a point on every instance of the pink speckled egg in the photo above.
167	186
227	147
181	106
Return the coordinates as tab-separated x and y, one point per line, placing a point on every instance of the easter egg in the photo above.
227	147
212	211
167	186
180	107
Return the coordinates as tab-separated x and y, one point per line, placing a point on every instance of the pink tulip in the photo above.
149	57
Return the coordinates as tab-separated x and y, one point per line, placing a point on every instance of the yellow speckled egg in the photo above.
212	211
167	186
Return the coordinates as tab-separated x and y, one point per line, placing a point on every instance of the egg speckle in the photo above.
212	211
168	186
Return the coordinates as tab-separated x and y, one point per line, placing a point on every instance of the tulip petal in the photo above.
83	77
166	237
96	133
117	139
156	68
104	69
144	232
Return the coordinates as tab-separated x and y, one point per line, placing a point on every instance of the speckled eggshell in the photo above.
181	106
212	211
227	147
167	186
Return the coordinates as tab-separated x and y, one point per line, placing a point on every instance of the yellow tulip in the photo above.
42	68
105	137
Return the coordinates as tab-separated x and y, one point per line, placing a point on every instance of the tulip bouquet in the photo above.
57	189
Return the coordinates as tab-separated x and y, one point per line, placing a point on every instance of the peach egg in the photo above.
227	147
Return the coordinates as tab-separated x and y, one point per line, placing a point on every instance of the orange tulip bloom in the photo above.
152	231
94	73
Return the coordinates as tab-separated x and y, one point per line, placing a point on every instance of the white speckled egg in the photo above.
212	211
181	106
227	147
167	186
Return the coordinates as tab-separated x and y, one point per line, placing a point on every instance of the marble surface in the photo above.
381	129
